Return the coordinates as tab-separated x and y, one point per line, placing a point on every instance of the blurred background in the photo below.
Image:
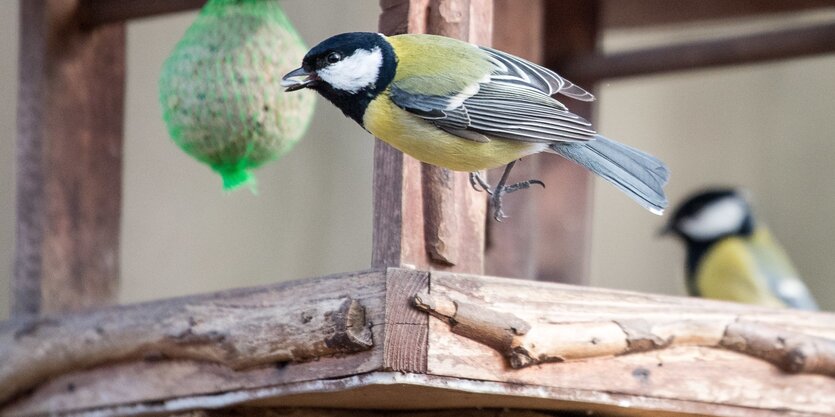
767	127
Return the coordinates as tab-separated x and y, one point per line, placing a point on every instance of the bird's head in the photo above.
348	69
710	215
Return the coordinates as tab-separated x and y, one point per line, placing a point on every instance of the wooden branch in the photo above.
69	160
559	342
236	329
424	216
615	342
101	12
743	49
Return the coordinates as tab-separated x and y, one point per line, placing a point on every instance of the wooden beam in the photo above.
308	329
511	245
69	160
743	49
571	30
330	412
638	13
101	12
668	363
426	216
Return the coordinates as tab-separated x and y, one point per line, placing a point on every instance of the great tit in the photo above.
732	257
468	108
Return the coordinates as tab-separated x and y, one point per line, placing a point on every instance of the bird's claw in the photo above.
479	184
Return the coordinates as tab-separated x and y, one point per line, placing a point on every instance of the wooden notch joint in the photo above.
352	333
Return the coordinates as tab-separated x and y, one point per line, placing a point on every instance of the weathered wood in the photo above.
100	12
69	160
398	228
406	329
524	345
589	332
663	374
234	330
741	49
330	412
565	207
510	246
634	13
425	216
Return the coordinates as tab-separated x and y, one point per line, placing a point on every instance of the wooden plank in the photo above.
394	390
101	12
693	376
635	13
742	49
330	412
406	329
571	29
510	245
424	216
302	330
69	158
397	237
673	378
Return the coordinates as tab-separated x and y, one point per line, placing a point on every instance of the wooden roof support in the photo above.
511	245
69	160
642	13
102	12
570	30
742	49
425	216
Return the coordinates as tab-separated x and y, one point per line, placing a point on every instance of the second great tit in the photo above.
732	257
468	108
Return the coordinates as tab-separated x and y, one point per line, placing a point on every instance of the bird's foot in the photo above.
501	190
479	183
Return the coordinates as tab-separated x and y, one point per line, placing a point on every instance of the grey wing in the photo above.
782	278
500	108
517	70
791	291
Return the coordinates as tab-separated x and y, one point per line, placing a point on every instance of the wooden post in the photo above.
69	159
565	209
511	245
426	216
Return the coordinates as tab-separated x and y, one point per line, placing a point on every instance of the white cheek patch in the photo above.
717	219
355	72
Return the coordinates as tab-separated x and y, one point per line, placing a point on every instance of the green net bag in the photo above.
220	89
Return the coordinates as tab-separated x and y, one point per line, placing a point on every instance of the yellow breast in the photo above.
729	271
427	143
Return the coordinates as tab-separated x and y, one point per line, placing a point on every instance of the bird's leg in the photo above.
479	184
501	189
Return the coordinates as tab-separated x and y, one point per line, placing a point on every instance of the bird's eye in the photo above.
333	57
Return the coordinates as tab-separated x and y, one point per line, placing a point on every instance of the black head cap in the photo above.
325	57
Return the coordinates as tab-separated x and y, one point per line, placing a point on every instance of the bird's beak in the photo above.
297	79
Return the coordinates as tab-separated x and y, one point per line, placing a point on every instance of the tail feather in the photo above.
640	175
